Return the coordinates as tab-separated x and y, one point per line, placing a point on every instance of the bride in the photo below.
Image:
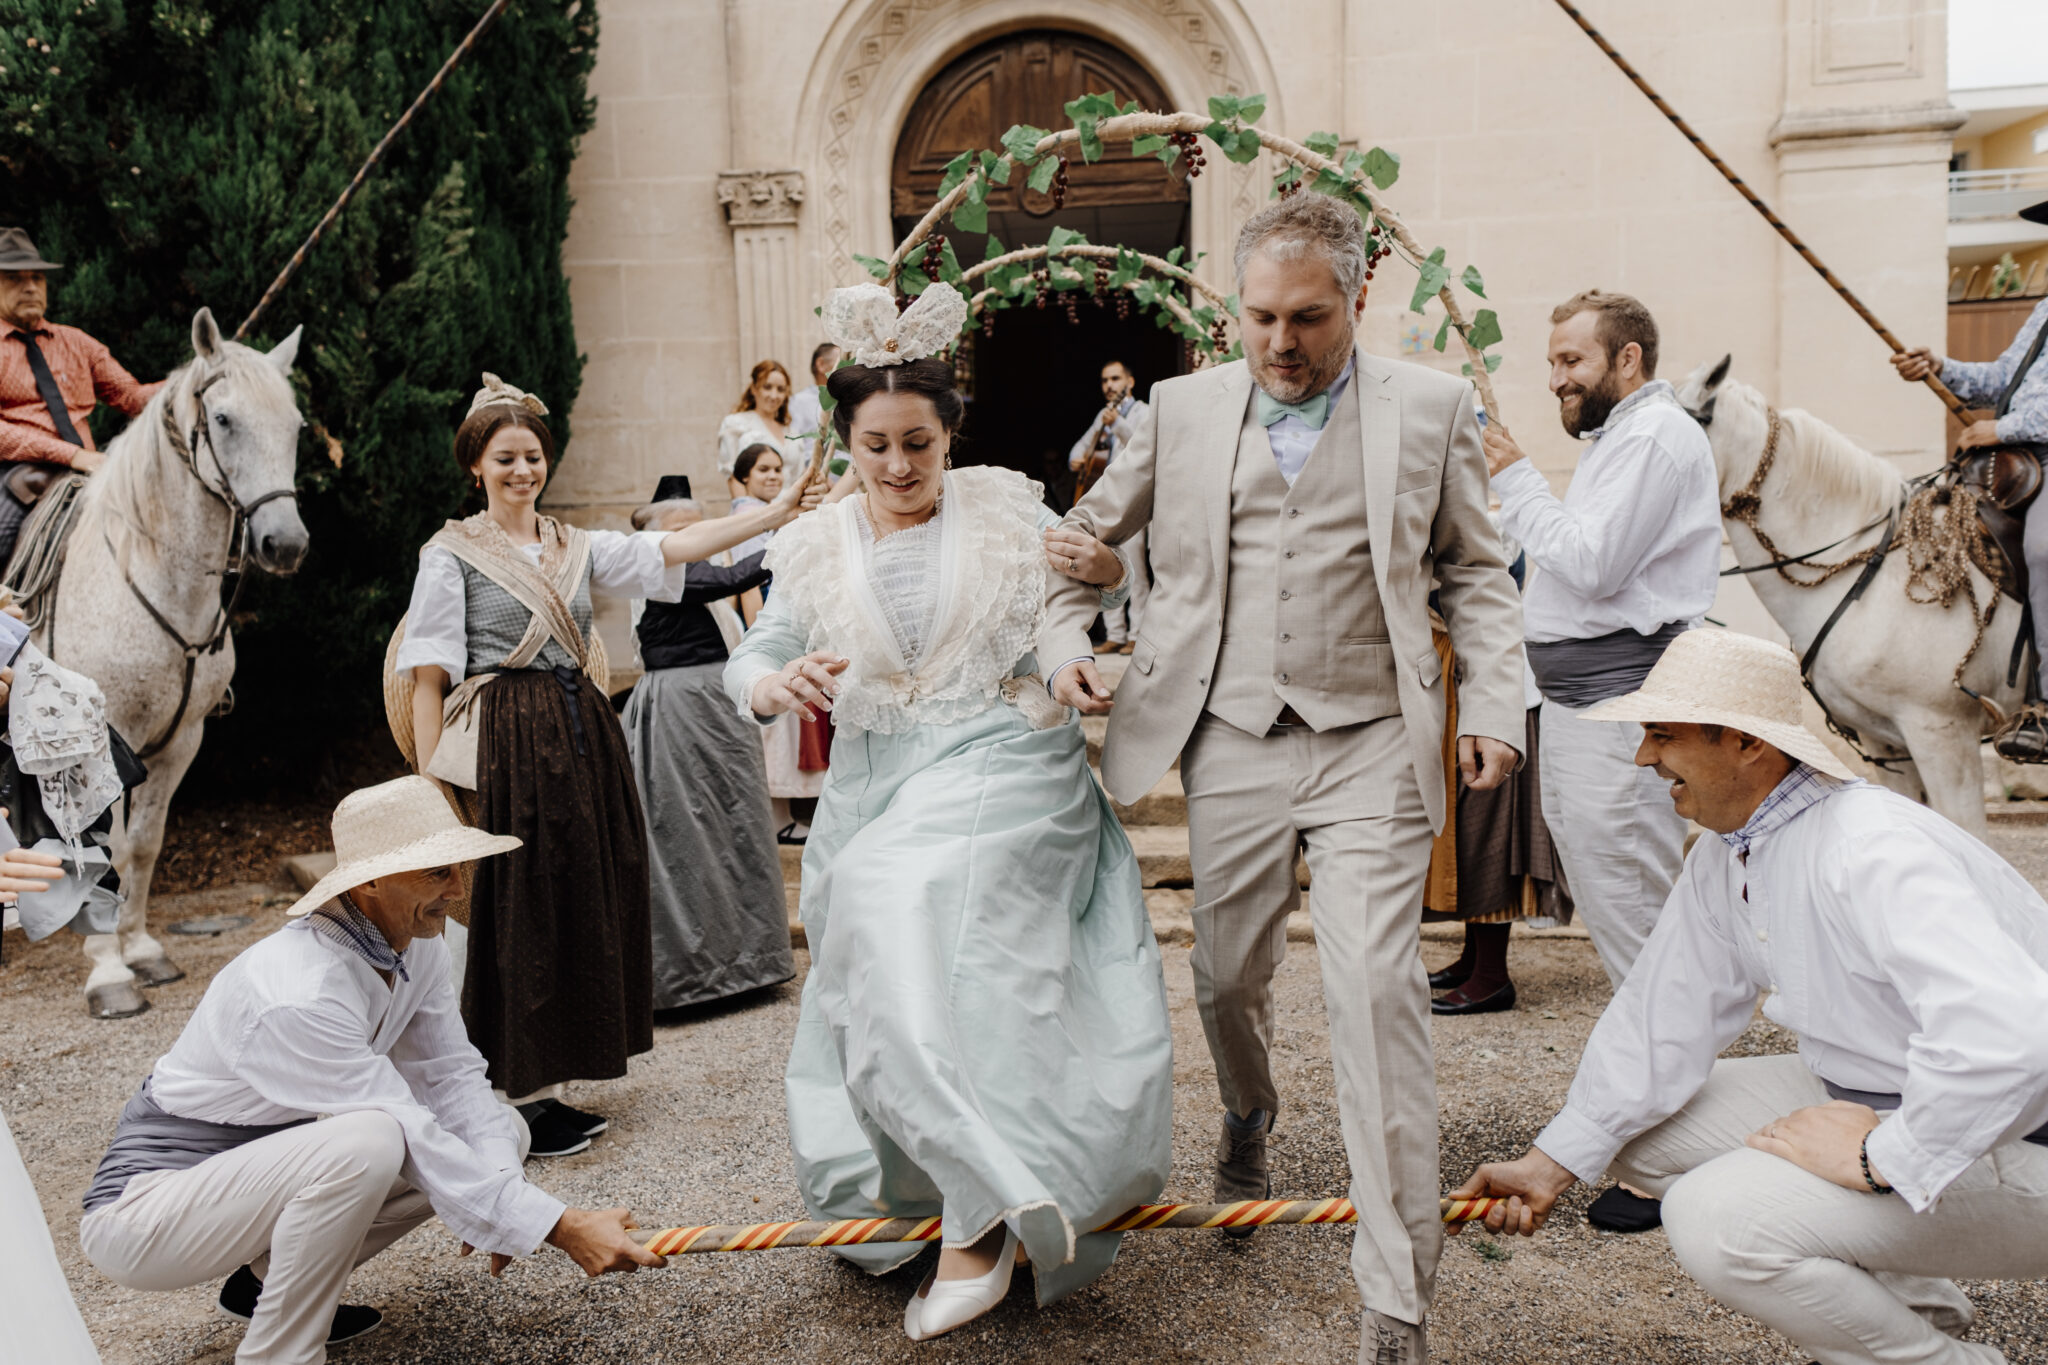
984	1029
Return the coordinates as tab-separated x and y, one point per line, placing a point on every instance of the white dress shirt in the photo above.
298	1028
1636	541
1909	958
1128	414
806	412
436	624
1293	439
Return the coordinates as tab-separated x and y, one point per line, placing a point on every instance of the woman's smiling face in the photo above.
513	467
900	447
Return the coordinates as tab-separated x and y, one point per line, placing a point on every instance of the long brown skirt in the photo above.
560	982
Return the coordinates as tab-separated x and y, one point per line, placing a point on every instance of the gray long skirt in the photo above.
720	922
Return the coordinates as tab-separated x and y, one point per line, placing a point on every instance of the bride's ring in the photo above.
1073	564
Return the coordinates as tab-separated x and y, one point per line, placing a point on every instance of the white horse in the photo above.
138	605
1886	668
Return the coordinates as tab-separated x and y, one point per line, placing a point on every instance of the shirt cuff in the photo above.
1903	1164
1579	1145
533	1218
746	698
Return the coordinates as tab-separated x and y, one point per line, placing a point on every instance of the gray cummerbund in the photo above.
149	1139
1577	673
1884	1104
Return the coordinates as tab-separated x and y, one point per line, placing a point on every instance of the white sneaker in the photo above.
939	1305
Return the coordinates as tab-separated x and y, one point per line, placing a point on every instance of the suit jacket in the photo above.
1426	487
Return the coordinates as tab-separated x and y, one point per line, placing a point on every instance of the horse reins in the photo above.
234	562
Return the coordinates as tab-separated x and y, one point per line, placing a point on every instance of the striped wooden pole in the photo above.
1251	1213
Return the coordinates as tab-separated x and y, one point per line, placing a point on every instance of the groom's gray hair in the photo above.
1306	222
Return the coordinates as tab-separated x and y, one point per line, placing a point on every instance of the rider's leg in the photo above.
2036	550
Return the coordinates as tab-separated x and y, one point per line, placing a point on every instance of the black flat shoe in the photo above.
1457	1002
1450	978
238	1300
553	1135
588	1124
1619	1211
788	835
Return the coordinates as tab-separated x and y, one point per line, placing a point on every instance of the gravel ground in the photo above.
698	1135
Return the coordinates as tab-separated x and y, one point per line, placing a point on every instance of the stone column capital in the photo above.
760	198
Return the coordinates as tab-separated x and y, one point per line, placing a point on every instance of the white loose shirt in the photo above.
1128	414
298	1027
1909	958
1636	540
437	621
806	412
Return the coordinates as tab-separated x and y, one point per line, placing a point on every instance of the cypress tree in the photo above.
173	153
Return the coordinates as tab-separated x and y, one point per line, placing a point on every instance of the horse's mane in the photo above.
1817	466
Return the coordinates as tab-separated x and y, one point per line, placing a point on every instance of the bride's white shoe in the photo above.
939	1305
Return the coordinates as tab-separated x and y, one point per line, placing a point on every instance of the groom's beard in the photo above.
1583	410
1319	372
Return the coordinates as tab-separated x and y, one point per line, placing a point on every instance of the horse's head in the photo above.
251	422
1735	418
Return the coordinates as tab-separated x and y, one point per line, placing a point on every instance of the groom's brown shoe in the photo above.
1241	1170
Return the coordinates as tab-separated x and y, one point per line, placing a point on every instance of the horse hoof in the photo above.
158	971
116	1000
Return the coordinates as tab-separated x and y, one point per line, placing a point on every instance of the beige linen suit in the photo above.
1311	602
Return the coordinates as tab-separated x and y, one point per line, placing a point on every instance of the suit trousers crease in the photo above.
1852	1277
1347	797
301	1208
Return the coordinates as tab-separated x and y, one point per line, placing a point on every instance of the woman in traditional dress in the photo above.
759	472
721	924
761	415
984	1030
558	982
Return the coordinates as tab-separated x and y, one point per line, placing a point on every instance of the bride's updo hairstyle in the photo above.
852	385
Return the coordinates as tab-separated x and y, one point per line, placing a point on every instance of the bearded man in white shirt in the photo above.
324	1100
1628	559
1830	1194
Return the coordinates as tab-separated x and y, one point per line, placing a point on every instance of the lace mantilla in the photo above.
862	321
990	608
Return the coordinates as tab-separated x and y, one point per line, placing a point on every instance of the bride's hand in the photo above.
1080	555
803	684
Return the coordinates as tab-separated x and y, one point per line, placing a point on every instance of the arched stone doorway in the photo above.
1033	381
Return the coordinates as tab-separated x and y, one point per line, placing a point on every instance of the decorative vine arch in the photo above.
878	56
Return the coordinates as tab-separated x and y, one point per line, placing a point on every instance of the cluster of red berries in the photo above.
1219	336
1071	301
1189	147
1059	184
1043	279
1101	286
1377	250
934	255
1288	187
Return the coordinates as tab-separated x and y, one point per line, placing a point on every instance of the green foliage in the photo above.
1383	167
1021	142
1473	282
1485	329
1433	275
874	265
176	153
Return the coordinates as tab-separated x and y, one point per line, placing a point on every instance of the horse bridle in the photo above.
233	577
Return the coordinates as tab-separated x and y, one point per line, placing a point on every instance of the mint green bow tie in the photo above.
1313	410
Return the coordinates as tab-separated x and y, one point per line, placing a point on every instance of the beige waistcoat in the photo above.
1302	624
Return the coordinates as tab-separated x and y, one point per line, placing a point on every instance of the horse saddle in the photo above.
2006	480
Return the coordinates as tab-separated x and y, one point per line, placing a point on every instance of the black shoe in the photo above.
1619	1211
554	1135
1450	978
2024	737
590	1125
1457	1002
238	1300
788	835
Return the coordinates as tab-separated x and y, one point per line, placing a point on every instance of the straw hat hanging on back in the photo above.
1721	677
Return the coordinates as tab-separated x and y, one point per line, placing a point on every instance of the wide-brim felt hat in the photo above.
1722	677
672	486
2036	213
17	252
405	825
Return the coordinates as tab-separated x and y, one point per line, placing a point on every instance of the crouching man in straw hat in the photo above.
1827	1194
324	1100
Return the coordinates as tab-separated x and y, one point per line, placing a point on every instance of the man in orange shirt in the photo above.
51	378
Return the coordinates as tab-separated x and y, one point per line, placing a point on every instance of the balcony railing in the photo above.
1994	194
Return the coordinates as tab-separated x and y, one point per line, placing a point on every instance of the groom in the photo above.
1301	505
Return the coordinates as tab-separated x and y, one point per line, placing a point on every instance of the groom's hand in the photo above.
1081	687
1485	763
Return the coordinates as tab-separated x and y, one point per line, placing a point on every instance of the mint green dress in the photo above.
984	1027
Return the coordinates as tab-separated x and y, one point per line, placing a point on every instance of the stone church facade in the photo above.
746	150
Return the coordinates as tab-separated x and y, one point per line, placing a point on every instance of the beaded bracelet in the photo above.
1863	1156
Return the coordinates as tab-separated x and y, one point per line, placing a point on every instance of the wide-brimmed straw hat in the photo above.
404	825
1721	677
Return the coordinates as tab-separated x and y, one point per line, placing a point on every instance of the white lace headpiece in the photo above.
862	320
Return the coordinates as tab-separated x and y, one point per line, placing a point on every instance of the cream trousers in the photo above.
1347	797
301	1208
1616	832
1852	1277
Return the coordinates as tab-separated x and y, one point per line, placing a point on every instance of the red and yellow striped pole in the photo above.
1250	1213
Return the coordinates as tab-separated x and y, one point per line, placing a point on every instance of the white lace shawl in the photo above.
991	605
